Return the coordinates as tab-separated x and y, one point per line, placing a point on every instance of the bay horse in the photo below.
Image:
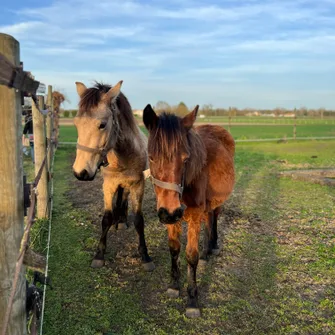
193	167
109	137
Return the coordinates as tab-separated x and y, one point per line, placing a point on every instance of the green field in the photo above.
274	275
69	133
269	120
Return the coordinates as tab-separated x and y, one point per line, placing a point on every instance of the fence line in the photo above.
256	139
14	77
48	245
24	243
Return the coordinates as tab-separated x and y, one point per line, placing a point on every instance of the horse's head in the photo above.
97	127
169	151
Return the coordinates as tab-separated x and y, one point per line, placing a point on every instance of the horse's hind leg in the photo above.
174	232
213	243
136	196
120	208
207	243
193	218
107	220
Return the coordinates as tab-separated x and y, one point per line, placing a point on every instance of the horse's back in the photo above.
216	136
220	147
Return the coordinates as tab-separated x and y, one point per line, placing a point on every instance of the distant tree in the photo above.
58	98
207	109
321	112
233	111
277	111
162	106
182	109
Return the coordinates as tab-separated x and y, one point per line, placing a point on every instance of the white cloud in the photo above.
166	50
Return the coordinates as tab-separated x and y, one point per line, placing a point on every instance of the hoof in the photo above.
172	293
122	226
193	313
216	252
97	263
150	266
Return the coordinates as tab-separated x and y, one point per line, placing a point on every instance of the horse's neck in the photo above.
198	157
133	142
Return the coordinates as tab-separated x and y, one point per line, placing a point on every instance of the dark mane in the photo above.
169	136
91	98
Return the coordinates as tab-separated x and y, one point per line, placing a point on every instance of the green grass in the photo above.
269	120
69	133
275	274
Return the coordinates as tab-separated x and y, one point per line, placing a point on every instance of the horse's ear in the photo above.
114	92
149	117
189	119
81	88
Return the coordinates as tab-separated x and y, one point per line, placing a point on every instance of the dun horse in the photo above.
108	136
192	167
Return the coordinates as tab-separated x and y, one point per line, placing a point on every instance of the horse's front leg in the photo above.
108	219
136	196
193	218
174	231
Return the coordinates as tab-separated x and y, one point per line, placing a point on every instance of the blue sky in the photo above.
250	53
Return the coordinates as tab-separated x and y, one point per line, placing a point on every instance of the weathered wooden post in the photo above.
11	195
40	151
50	124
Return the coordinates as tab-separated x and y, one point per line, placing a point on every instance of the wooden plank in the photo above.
11	195
40	151
14	76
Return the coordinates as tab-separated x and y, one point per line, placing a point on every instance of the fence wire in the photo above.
6	65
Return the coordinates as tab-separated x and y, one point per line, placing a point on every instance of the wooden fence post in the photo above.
11	195
295	125
50	124
40	151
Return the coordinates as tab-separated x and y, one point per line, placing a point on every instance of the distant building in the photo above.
138	112
289	115
255	113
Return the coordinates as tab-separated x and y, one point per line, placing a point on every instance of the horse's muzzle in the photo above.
83	175
167	218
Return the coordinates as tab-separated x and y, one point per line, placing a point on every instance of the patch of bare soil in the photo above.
317	176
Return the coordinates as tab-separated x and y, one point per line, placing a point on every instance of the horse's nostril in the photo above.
83	175
166	217
179	212
163	215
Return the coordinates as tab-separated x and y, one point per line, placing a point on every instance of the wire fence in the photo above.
15	78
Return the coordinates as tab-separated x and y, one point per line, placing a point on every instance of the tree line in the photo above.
207	110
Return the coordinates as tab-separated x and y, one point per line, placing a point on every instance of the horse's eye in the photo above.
102	125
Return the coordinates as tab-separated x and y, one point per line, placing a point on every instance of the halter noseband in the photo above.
179	188
101	151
